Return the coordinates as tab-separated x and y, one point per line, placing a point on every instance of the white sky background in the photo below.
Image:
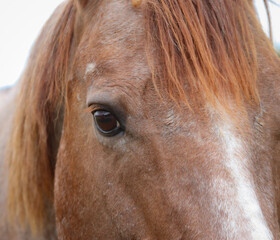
22	20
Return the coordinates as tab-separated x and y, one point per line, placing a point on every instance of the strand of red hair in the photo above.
203	52
31	164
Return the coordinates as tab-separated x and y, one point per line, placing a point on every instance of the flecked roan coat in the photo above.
195	86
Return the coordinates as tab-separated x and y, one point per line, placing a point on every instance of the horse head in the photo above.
155	121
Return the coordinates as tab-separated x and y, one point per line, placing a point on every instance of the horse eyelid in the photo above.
91	109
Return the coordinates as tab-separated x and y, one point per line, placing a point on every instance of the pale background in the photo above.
22	20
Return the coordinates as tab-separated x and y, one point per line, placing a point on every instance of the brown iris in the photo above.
106	122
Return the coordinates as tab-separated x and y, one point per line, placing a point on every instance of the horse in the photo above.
144	120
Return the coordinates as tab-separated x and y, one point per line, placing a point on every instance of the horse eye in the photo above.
106	123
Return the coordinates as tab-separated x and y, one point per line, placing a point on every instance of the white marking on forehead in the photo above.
237	164
90	68
172	118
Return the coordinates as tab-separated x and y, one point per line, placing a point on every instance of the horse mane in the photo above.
29	152
204	52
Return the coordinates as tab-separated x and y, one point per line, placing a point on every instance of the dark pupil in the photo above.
105	121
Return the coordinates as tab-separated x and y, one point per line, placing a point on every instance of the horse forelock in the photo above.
204	51
30	149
